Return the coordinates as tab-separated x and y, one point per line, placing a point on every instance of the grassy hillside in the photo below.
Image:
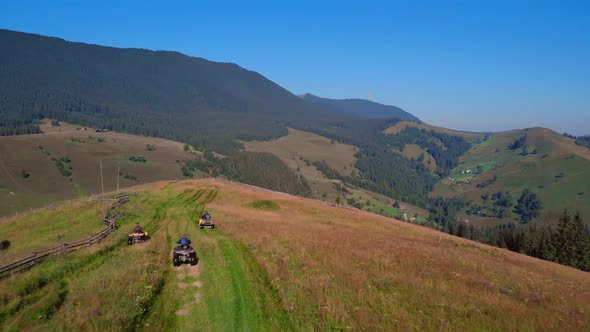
299	146
30	178
398	127
414	151
554	168
299	150
301	264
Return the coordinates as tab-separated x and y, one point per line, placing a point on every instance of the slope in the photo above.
33	173
549	164
359	108
281	268
155	93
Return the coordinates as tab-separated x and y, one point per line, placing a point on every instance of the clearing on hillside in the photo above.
305	266
299	146
414	151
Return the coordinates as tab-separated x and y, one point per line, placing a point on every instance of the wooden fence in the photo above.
109	218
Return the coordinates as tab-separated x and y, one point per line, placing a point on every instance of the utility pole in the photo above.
118	172
341	198
101	179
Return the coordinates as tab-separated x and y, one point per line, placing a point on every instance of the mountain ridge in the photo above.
156	93
359	107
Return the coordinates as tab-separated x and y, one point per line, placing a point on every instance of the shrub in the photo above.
130	177
265	205
4	244
137	159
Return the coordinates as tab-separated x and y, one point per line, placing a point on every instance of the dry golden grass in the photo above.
46	185
343	268
414	151
298	145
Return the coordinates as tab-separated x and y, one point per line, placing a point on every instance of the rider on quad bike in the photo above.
184	241
139	235
138	228
184	253
205	221
206	216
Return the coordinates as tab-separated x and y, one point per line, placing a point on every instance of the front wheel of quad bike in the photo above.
212	226
201	226
130	240
194	260
175	261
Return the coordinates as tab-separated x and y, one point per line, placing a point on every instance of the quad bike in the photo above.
206	223
184	254
137	237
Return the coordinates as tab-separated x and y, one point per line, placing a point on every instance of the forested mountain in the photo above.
359	108
154	93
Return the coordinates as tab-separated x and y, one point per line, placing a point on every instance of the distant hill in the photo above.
154	93
544	162
359	108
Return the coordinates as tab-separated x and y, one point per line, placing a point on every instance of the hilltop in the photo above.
359	107
279	262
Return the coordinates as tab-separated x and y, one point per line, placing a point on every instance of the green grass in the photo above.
124	287
556	173
265	205
50	228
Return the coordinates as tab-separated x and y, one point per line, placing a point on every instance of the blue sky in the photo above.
471	65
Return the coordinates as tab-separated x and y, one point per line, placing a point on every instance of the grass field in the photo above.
299	146
32	154
300	265
558	171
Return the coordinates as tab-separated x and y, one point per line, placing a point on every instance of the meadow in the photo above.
279	262
30	176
